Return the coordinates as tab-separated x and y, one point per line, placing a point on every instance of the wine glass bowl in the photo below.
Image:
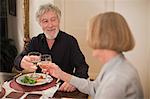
35	57
46	57
45	60
43	64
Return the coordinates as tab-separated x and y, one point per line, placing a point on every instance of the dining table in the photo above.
9	88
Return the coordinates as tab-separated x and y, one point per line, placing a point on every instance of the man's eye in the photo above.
44	21
53	19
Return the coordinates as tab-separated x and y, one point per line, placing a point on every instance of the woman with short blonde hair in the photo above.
110	31
109	36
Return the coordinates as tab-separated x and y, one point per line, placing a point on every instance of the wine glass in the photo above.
35	58
45	60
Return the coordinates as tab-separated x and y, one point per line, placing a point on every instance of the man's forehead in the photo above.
49	14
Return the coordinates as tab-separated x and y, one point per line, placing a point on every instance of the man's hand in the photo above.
66	87
27	65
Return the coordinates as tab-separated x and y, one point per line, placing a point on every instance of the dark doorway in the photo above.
8	50
3	19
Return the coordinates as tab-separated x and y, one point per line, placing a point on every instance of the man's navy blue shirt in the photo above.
65	53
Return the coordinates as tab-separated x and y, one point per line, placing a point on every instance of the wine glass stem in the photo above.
46	75
34	73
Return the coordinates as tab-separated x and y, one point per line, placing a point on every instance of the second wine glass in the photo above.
45	60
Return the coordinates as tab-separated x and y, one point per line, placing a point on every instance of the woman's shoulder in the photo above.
125	71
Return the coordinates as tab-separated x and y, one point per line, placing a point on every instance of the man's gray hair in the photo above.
45	8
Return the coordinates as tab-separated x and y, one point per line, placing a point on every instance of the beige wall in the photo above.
136	13
78	12
149	48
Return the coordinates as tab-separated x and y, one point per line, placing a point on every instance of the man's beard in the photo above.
48	36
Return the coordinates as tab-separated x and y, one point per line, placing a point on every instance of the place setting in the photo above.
24	85
32	84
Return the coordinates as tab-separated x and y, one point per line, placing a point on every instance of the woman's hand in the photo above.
53	70
56	72
27	65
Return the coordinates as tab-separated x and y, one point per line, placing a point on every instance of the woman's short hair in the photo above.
110	30
45	8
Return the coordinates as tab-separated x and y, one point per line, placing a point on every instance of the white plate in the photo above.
44	81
